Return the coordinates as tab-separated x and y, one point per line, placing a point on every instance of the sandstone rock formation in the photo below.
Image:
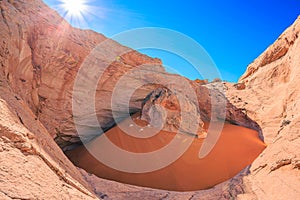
115	190
40	56
272	99
32	166
162	109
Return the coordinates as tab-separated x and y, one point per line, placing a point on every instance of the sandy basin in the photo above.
236	148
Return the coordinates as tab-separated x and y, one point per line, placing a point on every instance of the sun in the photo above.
75	11
74	8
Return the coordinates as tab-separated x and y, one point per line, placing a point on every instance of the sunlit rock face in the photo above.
271	97
40	55
162	109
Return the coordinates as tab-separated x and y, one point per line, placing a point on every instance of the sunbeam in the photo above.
75	11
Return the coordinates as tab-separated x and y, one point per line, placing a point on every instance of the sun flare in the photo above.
75	11
74	8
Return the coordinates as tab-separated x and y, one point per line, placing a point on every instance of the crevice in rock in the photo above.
20	118
13	197
191	197
284	123
63	177
256	170
296	164
5	20
165	197
280	163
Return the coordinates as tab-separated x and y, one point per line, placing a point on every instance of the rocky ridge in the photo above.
271	98
38	69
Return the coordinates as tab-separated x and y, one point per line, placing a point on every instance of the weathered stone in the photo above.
162	109
40	55
271	98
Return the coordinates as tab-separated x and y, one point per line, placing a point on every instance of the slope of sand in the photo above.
236	148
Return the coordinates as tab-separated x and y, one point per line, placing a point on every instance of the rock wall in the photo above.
272	98
32	166
40	55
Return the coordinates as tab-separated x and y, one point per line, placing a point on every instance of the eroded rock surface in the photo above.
164	110
40	55
272	98
32	166
114	190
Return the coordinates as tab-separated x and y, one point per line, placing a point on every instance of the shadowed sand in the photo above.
236	148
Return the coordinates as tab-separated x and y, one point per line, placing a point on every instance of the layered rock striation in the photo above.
271	98
40	57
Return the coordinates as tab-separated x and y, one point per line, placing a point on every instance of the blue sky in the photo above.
233	32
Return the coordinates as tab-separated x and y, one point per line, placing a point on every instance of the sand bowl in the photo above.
236	148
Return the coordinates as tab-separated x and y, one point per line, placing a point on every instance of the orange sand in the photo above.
236	148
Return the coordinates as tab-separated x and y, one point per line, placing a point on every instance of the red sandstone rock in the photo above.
40	55
271	98
240	86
